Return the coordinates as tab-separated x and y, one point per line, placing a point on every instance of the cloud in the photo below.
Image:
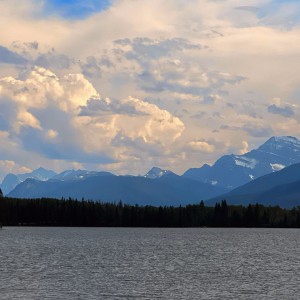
183	78
135	118
211	99
25	118
10	57
284	111
52	134
44	105
41	85
258	130
53	61
65	118
144	48
91	68
165	65
245	148
201	146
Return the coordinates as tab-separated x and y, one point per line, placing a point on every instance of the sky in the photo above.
124	85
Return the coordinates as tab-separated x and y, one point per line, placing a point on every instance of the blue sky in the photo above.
79	9
76	9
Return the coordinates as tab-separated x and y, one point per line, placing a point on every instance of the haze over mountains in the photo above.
163	187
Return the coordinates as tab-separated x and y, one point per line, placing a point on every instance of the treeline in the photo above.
68	212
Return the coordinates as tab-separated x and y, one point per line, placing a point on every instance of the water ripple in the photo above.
127	263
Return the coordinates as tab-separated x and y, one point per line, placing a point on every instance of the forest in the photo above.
70	212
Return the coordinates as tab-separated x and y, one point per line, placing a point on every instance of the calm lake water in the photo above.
127	263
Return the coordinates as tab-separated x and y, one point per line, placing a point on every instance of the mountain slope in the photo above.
78	175
156	172
10	181
170	189
278	188
231	171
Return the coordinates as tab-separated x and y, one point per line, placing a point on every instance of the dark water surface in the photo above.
127	263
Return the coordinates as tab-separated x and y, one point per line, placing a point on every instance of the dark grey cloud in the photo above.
98	107
255	130
91	67
95	107
142	48
25	48
51	60
231	105
247	107
209	99
9	57
163	69
285	111
171	81
199	115
218	115
225	126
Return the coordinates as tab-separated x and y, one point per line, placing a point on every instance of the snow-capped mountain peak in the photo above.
231	171
156	172
74	174
281	144
42	174
10	181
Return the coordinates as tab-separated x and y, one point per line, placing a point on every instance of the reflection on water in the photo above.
127	263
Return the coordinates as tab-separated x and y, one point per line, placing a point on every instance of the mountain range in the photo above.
231	171
169	189
234	177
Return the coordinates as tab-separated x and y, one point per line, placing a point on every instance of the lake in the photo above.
139	263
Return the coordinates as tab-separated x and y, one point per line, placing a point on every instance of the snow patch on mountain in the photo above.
277	167
287	139
78	175
245	162
231	171
156	172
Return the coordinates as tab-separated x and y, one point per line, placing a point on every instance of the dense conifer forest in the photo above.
68	212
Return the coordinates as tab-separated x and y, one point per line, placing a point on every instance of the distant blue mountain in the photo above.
169	189
163	187
279	188
231	171
10	181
